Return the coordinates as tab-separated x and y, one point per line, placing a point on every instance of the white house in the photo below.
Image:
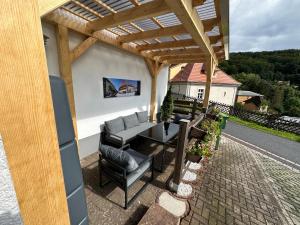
190	81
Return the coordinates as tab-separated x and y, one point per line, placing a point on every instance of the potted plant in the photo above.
167	108
194	154
206	151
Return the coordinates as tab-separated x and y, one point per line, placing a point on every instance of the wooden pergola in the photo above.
161	31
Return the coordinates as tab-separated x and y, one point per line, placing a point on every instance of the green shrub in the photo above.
167	106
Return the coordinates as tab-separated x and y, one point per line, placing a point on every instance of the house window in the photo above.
200	93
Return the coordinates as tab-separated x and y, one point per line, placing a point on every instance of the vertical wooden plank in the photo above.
180	151
27	122
209	73
154	69
65	68
153	103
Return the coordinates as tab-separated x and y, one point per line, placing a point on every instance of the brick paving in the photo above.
286	182
234	190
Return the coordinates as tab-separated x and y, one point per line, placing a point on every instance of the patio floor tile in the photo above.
232	190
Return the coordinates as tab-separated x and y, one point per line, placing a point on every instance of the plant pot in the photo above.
217	142
193	158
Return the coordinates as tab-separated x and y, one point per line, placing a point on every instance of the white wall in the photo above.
51	50
99	61
221	94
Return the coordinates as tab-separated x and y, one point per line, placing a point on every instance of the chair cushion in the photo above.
120	157
129	134
114	126
130	121
142	116
132	177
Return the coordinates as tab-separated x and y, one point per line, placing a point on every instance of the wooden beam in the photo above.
170	44
210	68
154	8
173	44
63	19
163	32
170	52
154	69
27	122
81	48
210	24
214	39
182	57
46	6
188	15
178	61
65	68
198	2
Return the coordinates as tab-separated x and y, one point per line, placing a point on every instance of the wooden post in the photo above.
27	122
65	68
194	108
180	152
154	69
209	73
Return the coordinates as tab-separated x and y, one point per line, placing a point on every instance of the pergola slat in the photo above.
163	32
188	15
175	44
146	10
168	31
56	17
182	57
177	52
46	6
171	44
178	21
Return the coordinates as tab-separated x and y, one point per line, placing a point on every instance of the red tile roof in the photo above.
195	72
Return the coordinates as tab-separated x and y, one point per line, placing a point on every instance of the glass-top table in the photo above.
162	134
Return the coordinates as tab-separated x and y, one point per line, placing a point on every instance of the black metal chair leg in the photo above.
162	160
100	174
126	197
152	170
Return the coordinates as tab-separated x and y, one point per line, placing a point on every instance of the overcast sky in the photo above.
263	25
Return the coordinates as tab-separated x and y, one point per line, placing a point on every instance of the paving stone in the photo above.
233	189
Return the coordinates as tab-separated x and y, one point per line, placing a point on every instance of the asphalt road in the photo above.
289	150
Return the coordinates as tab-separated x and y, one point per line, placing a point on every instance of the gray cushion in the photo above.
114	126
119	157
132	132
130	121
132	177
142	116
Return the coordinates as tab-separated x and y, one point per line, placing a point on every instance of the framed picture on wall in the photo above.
114	87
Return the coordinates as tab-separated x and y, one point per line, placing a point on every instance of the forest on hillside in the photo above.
274	74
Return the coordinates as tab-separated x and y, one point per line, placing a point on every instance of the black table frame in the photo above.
164	143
